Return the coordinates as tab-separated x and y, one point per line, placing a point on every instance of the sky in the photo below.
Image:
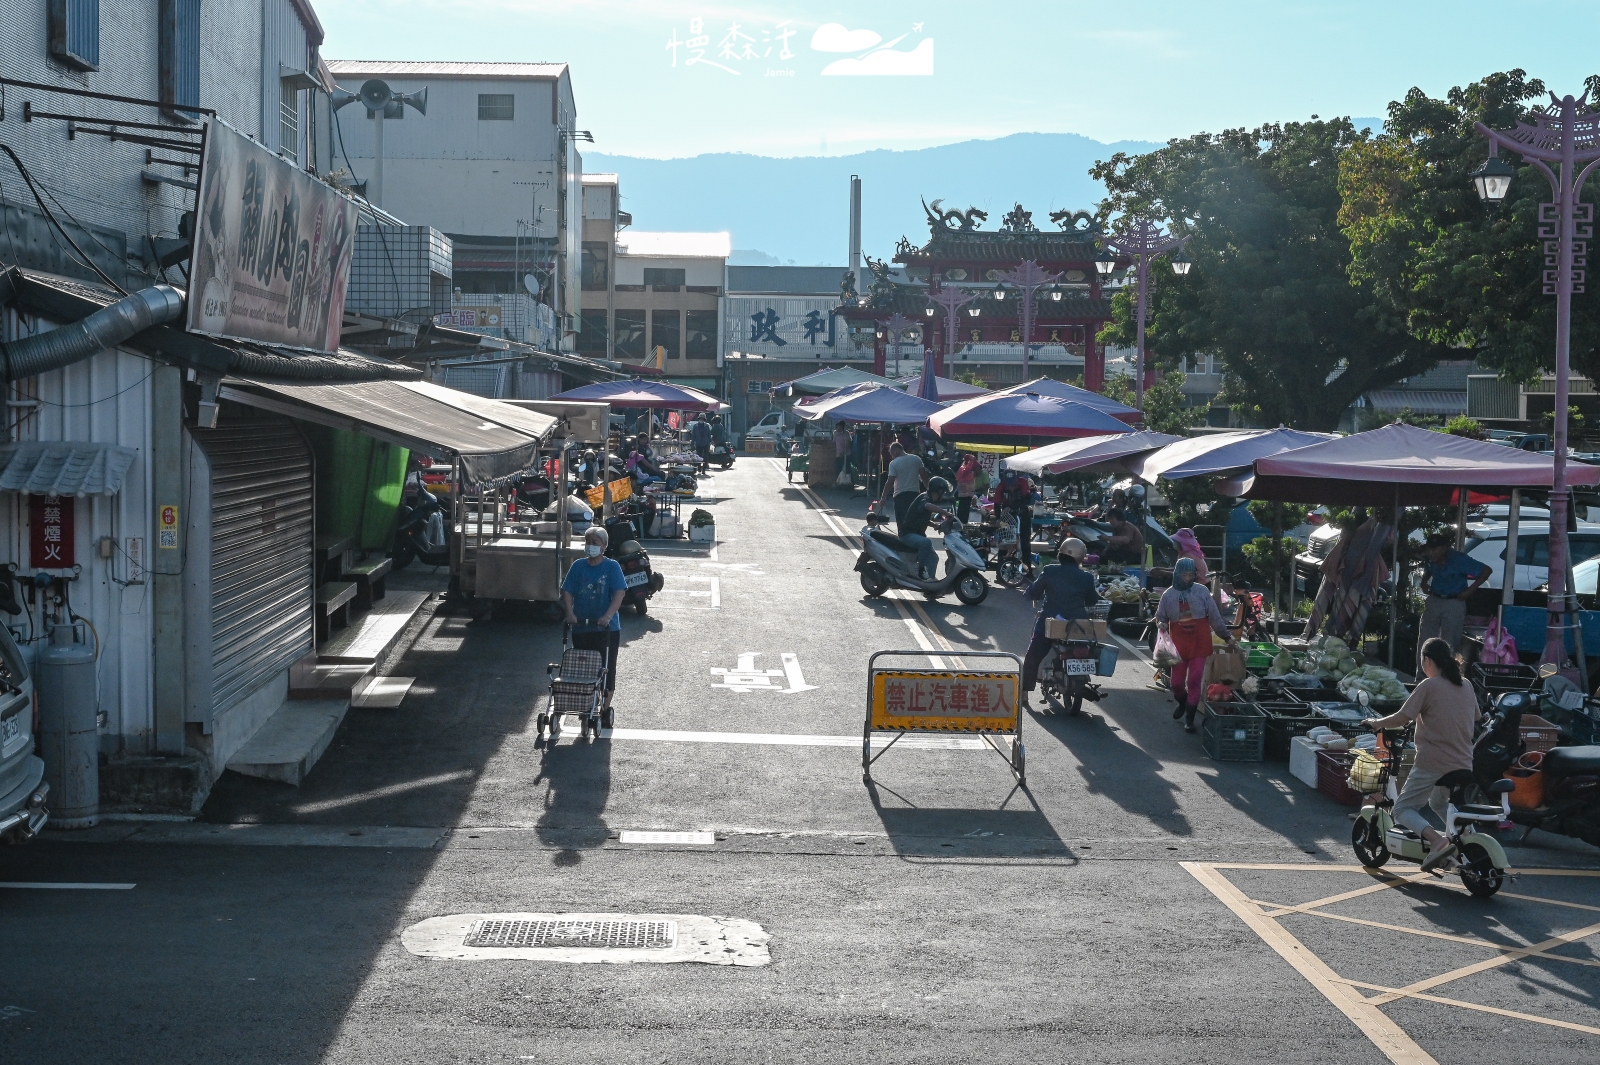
677	78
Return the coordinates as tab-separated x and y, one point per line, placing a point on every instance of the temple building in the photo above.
958	295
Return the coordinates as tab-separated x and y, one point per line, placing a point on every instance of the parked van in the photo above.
22	788
774	426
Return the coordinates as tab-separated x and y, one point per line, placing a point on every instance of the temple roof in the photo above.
971	245
913	304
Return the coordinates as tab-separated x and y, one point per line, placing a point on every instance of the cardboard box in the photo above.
1056	629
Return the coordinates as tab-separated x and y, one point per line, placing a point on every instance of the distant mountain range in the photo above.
796	210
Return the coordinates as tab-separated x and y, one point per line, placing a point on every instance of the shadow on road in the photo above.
1119	770
1015	824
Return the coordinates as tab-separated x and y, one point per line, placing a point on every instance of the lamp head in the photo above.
928	311
1493	179
1181	264
1105	263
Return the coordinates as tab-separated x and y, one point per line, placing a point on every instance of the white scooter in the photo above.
888	562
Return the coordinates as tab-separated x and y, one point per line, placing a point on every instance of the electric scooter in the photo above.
1479	859
888	562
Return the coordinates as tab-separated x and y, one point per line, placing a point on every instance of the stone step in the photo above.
382	693
311	680
289	742
369	637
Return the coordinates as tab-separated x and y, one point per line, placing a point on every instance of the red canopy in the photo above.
1423	467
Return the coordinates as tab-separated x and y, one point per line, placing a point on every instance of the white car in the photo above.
774	427
1486	542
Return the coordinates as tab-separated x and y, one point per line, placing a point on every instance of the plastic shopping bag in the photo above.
1166	652
1499	646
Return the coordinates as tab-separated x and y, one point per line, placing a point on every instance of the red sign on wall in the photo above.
51	529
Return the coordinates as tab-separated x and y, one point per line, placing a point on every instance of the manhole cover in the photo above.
632	935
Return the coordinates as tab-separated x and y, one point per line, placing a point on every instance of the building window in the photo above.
179	55
289	120
664	280
595	271
496	106
1196	364
592	334
664	333
701	330
75	33
630	335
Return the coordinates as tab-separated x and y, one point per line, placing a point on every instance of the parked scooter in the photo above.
1479	859
1570	804
641	579
421	531
888	562
720	456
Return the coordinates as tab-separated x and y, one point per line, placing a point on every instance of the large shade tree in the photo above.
1270	289
1451	269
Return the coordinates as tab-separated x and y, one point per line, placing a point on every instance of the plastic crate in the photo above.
1538	733
1492	679
1258	656
1333	767
1235	736
1285	721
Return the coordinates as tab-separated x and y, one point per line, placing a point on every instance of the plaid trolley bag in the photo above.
575	690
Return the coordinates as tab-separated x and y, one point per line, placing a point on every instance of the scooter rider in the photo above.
1445	709
1067	590
914	528
1014	496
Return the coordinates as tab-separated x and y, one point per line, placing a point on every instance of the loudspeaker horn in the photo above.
418	99
375	94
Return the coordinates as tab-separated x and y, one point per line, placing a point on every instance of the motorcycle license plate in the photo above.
633	580
1078	667
10	728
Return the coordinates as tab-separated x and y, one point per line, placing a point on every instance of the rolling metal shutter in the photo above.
262	554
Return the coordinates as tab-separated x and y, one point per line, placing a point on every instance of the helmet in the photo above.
1074	548
938	486
1136	493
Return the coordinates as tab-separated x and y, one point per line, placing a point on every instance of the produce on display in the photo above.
1124	590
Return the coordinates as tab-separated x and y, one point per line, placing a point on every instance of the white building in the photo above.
493	164
669	292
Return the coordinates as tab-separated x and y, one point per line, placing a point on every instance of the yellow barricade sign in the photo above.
621	489
944	701
983	701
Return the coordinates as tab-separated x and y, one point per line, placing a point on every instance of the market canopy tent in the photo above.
1065	456
1014	418
825	381
1218	453
1048	386
881	404
947	389
654	395
1423	467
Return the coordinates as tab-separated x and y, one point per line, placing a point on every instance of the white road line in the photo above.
381	793
697	839
41	886
783	739
716	593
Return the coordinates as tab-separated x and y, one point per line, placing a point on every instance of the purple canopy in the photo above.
948	390
1067	455
880	404
1047	386
658	395
1217	453
928	383
1425	468
1009	418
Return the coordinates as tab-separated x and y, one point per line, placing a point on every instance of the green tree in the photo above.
1269	289
1442	264
1166	405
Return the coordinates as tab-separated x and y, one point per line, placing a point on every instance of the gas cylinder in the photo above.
69	733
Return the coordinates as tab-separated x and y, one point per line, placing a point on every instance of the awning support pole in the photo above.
1508	569
1399	571
1277	568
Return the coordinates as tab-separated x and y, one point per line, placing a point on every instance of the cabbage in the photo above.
1333	643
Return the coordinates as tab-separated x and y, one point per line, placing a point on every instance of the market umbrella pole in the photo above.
1508	572
1399	569
1277	568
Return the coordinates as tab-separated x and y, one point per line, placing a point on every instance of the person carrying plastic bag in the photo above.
1188	615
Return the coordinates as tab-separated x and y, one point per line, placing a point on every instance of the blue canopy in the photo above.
880	404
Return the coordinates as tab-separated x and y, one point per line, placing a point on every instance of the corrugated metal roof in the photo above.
687	245
61	468
349	68
795	280
1418	400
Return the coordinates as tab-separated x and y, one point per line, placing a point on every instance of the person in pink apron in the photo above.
1188	614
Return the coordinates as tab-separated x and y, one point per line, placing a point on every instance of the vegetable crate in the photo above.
1237	735
1492	680
1286	720
1333	772
1258	656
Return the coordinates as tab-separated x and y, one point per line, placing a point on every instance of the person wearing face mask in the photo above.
592	596
1189	615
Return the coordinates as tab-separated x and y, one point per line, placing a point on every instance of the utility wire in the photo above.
393	276
90	263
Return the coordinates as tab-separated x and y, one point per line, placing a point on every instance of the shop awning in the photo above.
481	434
878	404
1087	453
64	468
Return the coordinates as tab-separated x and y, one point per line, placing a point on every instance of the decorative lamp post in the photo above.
1142	241
1028	279
897	325
952	298
1556	141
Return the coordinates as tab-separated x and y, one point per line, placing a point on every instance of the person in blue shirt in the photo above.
1450	577
1067	590
592	595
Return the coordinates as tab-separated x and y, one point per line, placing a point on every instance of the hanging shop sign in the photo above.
272	248
52	524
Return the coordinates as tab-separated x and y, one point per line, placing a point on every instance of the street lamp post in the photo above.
1142	241
896	325
952	298
1556	141
1028	278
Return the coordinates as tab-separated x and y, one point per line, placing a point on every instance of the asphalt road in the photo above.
936	913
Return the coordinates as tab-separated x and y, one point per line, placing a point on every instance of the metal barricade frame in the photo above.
975	685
